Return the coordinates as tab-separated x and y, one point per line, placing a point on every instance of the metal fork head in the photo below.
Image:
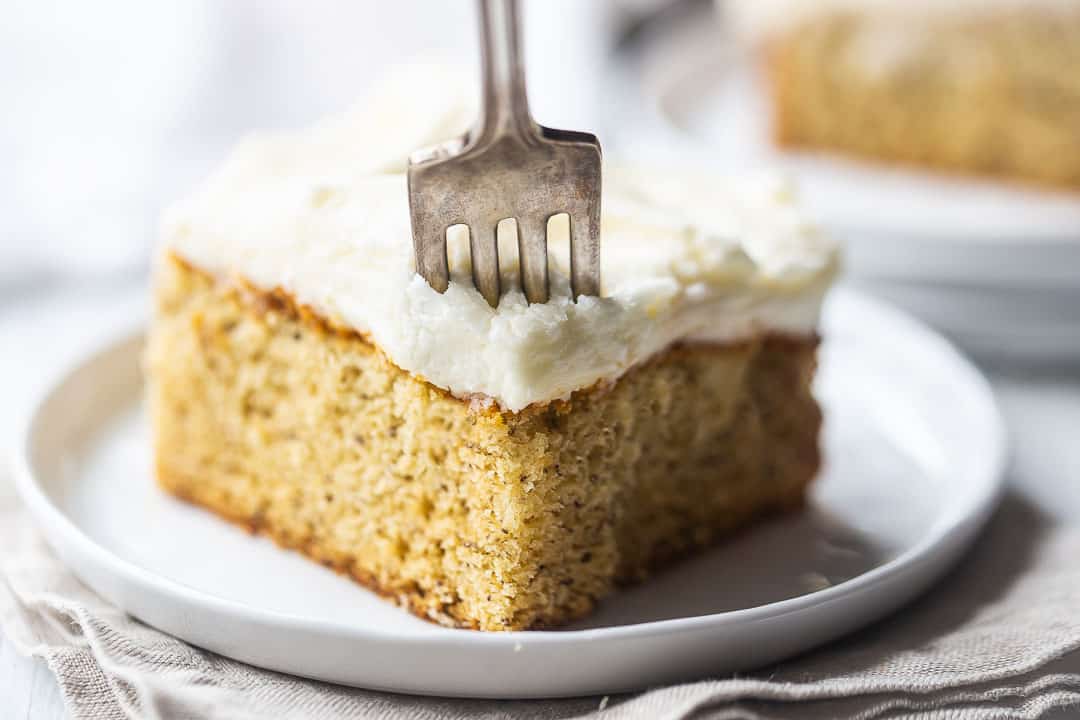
507	166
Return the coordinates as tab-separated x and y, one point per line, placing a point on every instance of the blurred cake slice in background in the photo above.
988	87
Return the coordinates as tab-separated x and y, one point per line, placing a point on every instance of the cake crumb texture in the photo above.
466	514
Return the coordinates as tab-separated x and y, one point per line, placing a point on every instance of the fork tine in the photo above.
492	172
532	254
484	248
585	252
429	242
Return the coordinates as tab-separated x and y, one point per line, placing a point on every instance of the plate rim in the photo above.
61	531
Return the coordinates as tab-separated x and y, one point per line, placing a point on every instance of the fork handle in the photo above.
505	106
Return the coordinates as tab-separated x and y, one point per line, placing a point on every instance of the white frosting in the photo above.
323	215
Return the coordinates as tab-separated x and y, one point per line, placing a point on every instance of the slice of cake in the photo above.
497	469
988	88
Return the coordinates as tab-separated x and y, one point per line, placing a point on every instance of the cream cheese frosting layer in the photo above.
685	257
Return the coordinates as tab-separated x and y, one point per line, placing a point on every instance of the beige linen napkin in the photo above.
988	642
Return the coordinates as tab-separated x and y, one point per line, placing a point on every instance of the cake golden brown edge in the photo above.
792	361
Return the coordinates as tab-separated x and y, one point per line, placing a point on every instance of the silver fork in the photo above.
507	166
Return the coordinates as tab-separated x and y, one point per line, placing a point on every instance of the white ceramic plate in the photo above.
914	448
709	106
1030	327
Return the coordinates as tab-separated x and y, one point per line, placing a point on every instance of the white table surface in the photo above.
1042	409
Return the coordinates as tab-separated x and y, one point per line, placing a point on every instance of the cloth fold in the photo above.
992	640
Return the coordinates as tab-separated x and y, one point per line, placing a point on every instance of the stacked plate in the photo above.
996	266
